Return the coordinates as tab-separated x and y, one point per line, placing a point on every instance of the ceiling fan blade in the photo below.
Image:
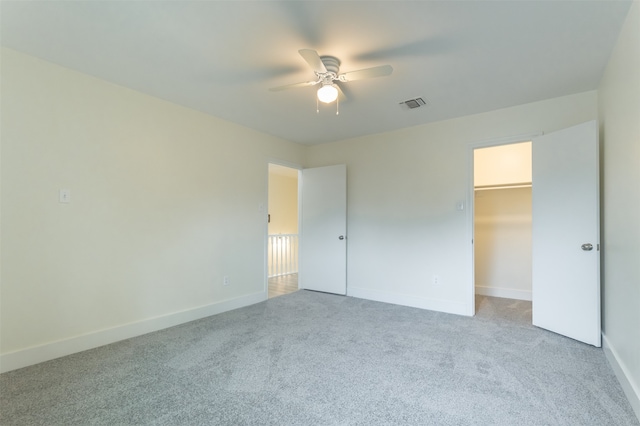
313	59
379	71
294	85
341	96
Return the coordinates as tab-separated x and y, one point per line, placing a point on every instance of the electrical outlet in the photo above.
226	280
436	281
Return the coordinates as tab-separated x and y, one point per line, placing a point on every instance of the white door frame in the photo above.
298	167
471	294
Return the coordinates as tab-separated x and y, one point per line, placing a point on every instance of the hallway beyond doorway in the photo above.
283	284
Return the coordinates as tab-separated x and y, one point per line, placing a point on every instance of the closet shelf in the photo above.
503	186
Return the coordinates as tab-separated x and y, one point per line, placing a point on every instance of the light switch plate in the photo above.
65	196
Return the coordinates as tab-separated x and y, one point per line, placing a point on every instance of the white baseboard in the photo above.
408	300
505	293
37	354
629	386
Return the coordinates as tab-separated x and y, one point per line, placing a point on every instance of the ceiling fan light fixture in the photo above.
327	93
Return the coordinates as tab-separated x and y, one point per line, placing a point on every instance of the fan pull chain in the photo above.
338	105
317	106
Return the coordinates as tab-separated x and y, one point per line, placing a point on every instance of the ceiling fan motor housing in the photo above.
332	64
327	68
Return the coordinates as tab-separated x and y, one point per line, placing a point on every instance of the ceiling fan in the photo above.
327	70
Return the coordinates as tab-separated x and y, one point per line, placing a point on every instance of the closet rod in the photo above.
503	186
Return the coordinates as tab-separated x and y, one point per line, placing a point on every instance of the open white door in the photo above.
566	235
323	245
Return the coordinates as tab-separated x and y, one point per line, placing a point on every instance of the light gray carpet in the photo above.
316	359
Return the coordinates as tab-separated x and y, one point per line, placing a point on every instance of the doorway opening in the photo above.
282	238
502	230
565	257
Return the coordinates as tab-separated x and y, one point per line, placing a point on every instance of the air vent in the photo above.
414	103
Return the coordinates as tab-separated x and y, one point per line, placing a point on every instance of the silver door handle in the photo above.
587	247
341	237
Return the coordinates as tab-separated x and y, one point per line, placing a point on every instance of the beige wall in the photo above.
502	165
619	101
403	188
502	242
283	203
165	201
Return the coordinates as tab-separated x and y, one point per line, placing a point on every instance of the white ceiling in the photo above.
221	57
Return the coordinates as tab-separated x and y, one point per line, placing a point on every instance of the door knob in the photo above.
587	247
341	237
